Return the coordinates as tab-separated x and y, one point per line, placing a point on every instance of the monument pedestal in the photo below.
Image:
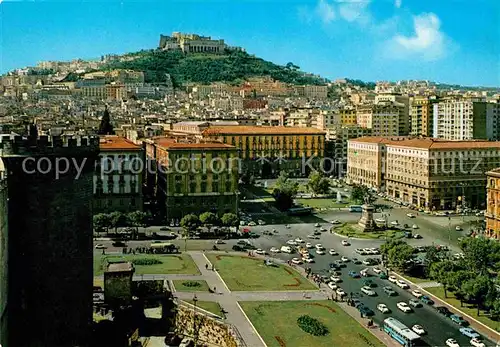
366	223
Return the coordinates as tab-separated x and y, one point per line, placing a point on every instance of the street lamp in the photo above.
195	331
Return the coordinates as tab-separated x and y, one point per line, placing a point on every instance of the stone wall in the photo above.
211	332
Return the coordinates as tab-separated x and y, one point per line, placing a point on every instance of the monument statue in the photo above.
366	223
367	199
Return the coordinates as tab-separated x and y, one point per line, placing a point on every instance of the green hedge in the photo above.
191	284
146	261
312	326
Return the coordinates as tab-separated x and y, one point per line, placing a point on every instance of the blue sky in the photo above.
451	41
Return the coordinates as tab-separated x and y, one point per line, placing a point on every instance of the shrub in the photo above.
191	284
146	261
312	326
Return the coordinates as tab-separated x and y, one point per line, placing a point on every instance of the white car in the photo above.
309	245
414	226
323	229
410	215
308	260
312	236
291	242
299	240
458	228
336	279
394	223
418	329
383	308
416	293
477	343
375	250
377	270
380	220
335	221
260	251
296	261
345	243
286	249
344	259
252	224
332	285
340	292
403	306
402	284
320	252
393	279
332	252
274	250
318	246
287	226
100	246
366	262
452	343
368	291
317	225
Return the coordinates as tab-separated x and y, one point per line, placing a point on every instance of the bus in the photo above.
400	332
355	208
300	211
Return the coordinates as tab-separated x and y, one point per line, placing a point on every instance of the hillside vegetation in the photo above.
232	67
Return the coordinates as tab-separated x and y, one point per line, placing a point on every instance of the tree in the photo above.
105	127
284	191
358	193
137	219
442	272
431	257
495	309
386	247
117	219
101	221
230	220
209	219
479	253
189	224
477	289
401	257
318	184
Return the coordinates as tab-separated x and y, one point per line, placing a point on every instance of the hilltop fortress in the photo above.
193	43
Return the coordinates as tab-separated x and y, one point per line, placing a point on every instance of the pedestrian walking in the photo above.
215	290
206	266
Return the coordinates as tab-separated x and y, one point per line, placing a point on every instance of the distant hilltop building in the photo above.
193	43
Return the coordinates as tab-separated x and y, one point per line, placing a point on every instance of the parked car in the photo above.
403	306
296	261
100	246
383	308
376	270
332	252
393	279
416	293
458	320
414	226
402	284
354	274
469	332
410	215
418	329
335	221
356	261
383	276
345	259
320	252
368	291
477	343
389	291
458	228
340	292
365	311
415	303
452	343
274	250
332	285
336	279
443	310
426	300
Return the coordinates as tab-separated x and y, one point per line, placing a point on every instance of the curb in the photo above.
251	324
496	335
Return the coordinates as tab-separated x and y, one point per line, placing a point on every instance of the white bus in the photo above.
355	208
400	332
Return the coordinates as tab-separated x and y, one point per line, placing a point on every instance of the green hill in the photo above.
231	67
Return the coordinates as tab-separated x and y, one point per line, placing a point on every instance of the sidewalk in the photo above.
477	325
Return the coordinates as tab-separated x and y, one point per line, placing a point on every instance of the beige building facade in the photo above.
383	120
493	204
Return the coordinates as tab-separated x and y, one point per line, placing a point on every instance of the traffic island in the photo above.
353	230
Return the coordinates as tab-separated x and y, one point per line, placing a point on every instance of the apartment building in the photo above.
193	177
493	204
432	174
402	103
267	150
383	120
338	136
422	115
466	119
118	176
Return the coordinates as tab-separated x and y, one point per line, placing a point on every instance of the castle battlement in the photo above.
48	145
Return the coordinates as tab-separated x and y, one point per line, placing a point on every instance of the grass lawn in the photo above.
321	203
170	264
415	279
467	308
276	321
242	273
210	306
183	286
349	230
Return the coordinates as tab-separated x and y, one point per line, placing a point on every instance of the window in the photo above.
215	186
203	186
192	187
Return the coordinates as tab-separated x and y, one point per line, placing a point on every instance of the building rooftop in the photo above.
204	145
117	143
261	130
120	267
494	173
429	143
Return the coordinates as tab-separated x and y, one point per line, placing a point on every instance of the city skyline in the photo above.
368	40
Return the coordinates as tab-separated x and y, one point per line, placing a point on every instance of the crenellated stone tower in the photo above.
48	253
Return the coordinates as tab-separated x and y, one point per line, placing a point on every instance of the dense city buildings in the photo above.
382	120
493	204
265	151
48	244
189	177
466	119
118	176
421	115
428	173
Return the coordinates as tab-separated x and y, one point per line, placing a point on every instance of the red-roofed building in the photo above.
118	176
432	174
192	177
